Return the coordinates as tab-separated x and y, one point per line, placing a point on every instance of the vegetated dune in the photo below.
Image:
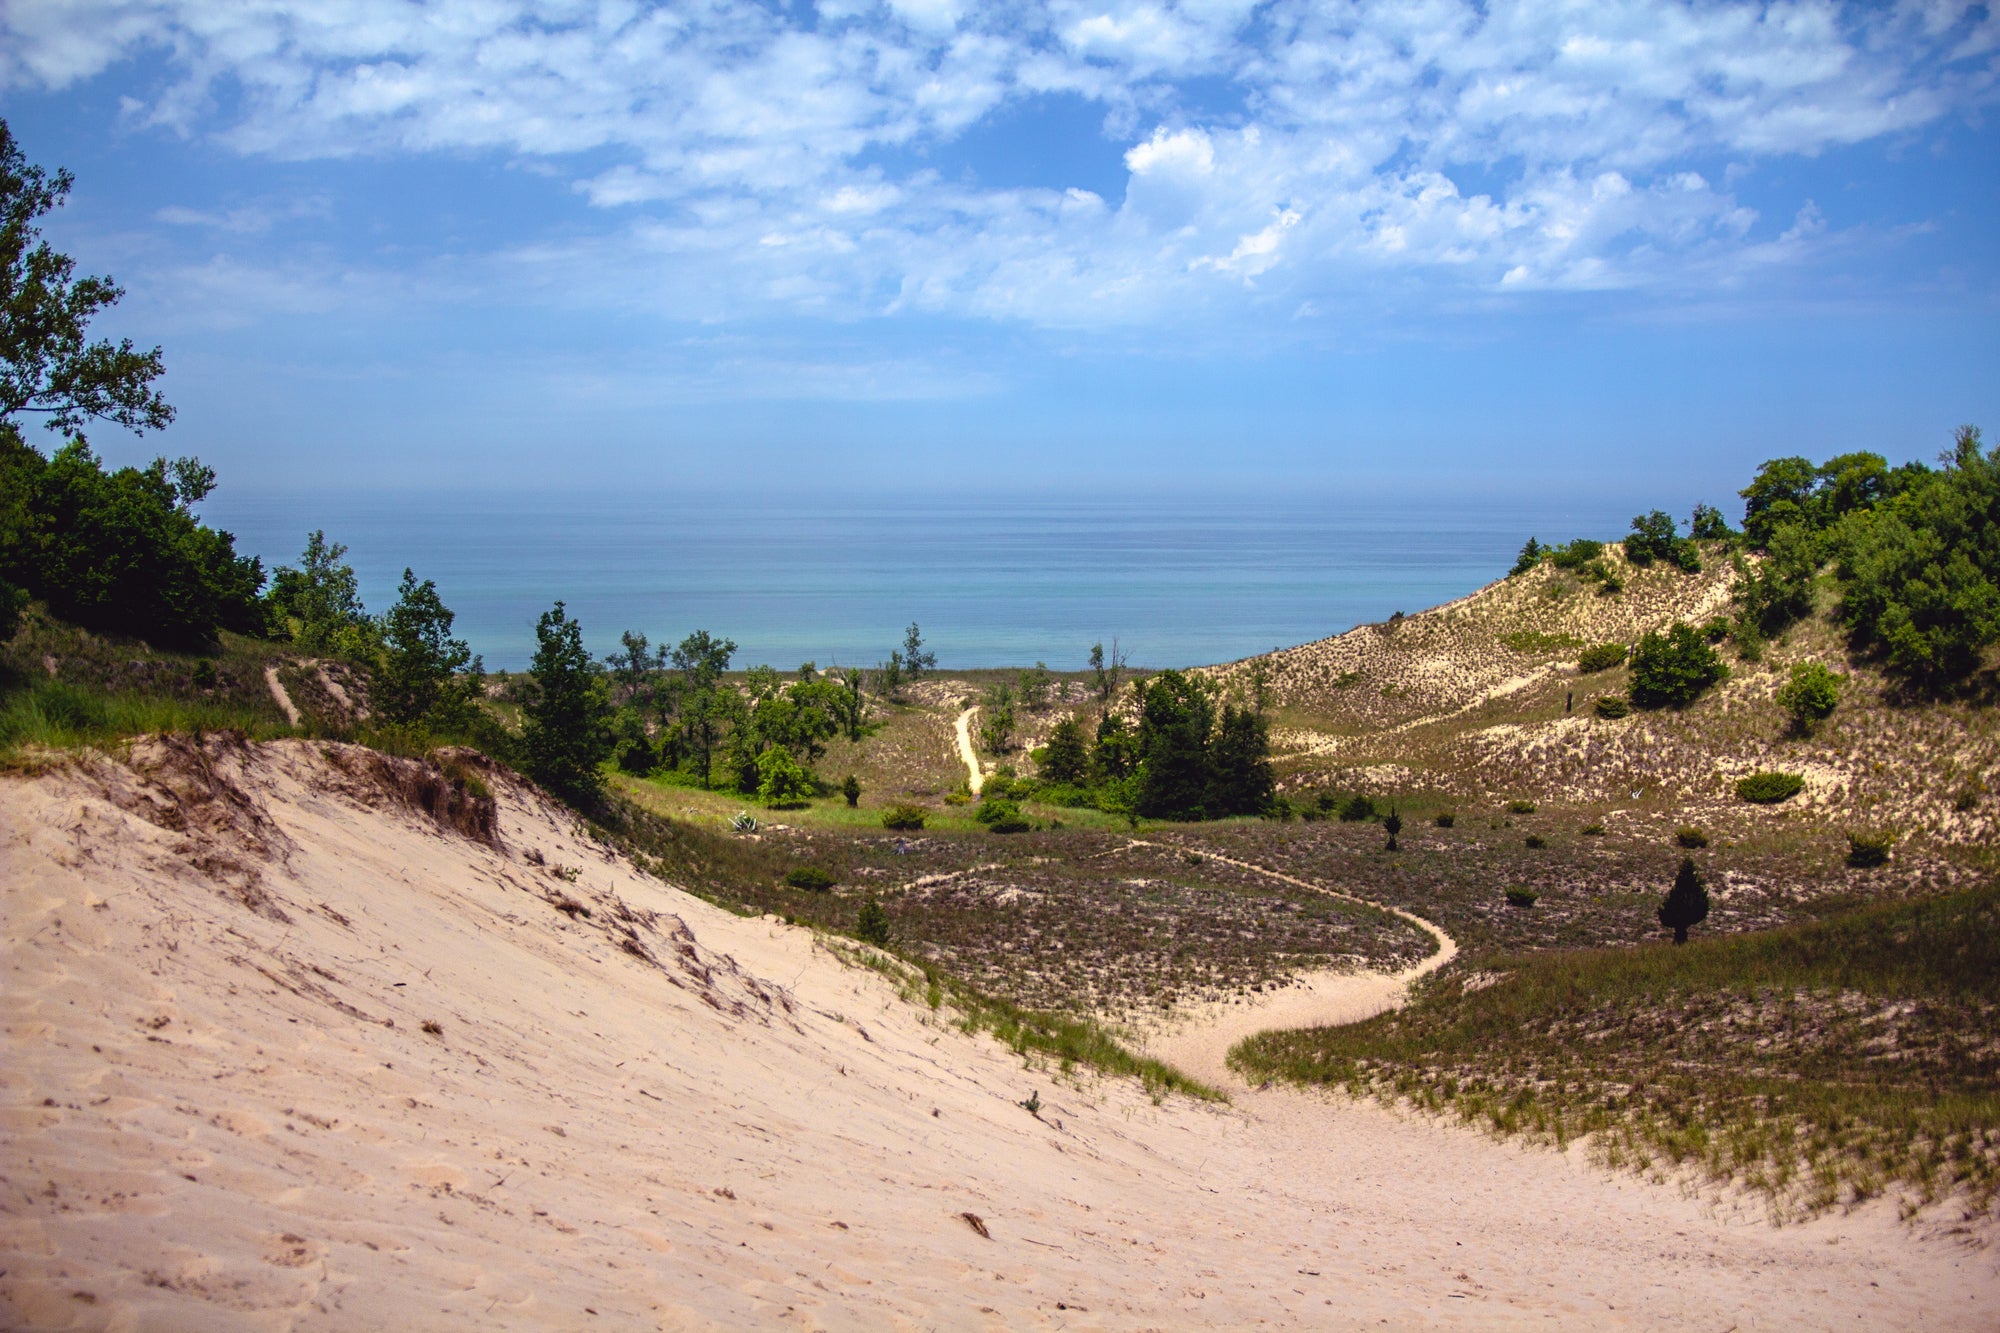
1481	700
298	1035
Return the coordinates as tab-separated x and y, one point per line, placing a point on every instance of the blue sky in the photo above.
1610	246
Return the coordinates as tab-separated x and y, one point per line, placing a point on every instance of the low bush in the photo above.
871	923
851	789
1672	670
1522	897
1865	850
1593	830
1600	657
1520	807
1810	695
810	878
904	818
1445	819
1770	788
1355	809
1574	554
1687	835
1611	707
1535	842
1001	816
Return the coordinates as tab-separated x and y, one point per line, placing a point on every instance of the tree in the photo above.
1176	719
854	706
1708	525
1116	753
1920	573
565	731
318	605
889	676
1686	904
1066	759
1652	538
1240	778
1531	555
851	790
633	665
916	660
1393	825
781	779
1099	681
122	551
705	708
1033	687
1779	590
418	678
996	724
1782	492
1674	668
1810	695
46	365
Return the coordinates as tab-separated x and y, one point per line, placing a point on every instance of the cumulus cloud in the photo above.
1278	157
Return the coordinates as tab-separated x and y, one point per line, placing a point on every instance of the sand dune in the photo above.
222	1109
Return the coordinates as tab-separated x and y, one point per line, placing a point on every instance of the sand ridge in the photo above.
221	1109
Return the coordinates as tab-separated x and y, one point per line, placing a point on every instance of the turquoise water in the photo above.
995	580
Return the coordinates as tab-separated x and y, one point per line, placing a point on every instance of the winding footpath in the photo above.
974	778
1198	1040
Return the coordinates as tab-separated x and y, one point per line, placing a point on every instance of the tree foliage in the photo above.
1810	695
48	365
1066	759
1673	669
565	722
1686	903
422	675
318	605
122	551
1920	572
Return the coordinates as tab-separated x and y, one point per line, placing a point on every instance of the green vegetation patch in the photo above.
1819	1063
1770	788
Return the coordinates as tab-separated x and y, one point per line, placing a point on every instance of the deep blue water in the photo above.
995	580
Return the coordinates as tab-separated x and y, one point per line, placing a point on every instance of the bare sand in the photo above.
975	776
220	1109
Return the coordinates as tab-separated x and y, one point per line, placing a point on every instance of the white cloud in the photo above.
1308	146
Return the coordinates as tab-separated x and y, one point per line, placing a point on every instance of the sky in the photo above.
1622	247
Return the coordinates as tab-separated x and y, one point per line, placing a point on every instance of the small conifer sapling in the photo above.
1686	904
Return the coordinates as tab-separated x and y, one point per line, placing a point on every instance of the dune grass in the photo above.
53	715
1821	1063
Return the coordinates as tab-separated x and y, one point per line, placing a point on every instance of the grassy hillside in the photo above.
1820	1063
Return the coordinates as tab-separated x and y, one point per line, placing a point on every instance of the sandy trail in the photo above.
281	695
221	1108
1197	1039
974	777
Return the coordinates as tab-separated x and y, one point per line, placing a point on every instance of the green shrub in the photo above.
1538	641
1519	896
1520	807
1574	555
1612	707
1535	842
1001	816
1674	668
1356	808
1445	819
781	779
871	923
810	878
906	818
1600	657
1810	695
1593	830
1770	788
1531	555
1687	835
851	789
1865	850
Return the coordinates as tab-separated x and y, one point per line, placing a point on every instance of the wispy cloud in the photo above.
1278	156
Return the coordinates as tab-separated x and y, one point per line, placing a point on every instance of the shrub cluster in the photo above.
1770	788
1600	657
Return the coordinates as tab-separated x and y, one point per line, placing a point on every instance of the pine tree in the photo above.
1686	903
565	730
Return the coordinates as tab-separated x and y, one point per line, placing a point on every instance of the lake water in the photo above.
995	580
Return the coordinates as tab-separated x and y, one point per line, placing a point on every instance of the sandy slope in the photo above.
219	1110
